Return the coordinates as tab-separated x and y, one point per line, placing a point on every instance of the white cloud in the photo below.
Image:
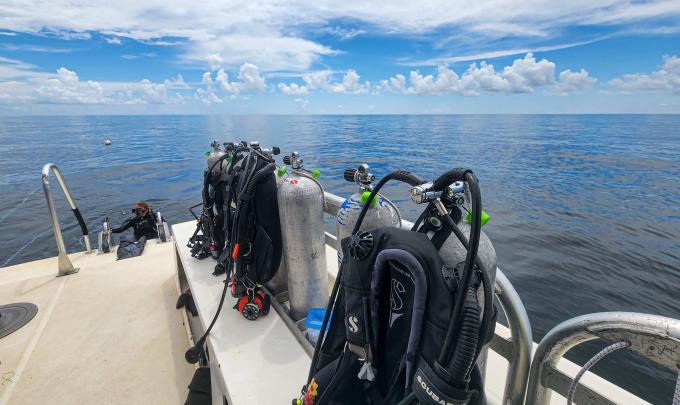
207	95
15	69
344	33
666	78
572	81
293	89
113	40
249	80
302	103
323	81
523	76
496	54
65	87
268	50
271	33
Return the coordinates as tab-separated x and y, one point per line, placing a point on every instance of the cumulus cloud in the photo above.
66	87
350	83
249	79
667	78
293	89
523	76
573	81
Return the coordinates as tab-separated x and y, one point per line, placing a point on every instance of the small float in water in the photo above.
107	141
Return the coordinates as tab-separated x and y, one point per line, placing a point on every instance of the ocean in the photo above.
585	209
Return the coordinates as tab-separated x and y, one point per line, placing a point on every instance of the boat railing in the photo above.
654	337
517	349
65	265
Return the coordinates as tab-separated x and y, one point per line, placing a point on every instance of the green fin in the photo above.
485	217
364	198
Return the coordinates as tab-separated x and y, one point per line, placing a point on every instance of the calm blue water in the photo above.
585	210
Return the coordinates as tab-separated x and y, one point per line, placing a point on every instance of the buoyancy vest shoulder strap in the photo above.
380	273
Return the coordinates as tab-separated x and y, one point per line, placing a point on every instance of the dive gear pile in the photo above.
410	311
421	347
240	227
242	213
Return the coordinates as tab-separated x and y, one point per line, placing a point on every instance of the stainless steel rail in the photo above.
654	337
65	265
517	350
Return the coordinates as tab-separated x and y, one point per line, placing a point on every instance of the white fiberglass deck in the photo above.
259	362
109	334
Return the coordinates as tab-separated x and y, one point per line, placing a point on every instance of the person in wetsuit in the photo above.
144	222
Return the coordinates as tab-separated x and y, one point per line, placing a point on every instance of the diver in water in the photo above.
144	222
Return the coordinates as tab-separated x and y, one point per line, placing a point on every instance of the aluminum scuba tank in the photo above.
381	213
301	208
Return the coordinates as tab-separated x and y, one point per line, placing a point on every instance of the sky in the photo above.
339	57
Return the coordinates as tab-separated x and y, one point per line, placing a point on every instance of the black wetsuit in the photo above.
143	226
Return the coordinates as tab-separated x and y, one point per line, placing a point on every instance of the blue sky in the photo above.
330	57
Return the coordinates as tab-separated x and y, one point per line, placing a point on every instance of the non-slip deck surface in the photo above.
109	334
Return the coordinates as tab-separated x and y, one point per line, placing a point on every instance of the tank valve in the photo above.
360	175
255	145
294	161
270	153
423	193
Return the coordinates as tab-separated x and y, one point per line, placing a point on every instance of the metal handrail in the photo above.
654	337
517	350
65	265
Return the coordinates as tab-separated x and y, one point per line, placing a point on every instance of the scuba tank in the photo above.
455	200
162	228
382	212
301	204
104	238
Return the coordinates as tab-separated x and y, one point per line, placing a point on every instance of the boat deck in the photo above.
109	334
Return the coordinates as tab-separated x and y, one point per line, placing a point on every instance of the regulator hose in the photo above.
486	285
468	333
454	336
192	355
